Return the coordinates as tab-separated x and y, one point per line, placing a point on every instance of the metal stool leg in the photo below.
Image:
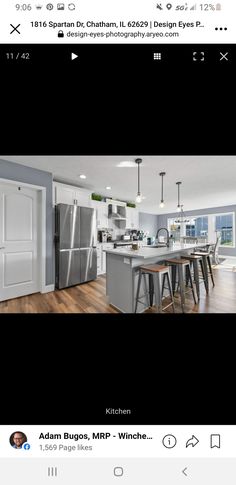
187	274
204	276
146	289
173	278
170	289
196	277
191	284
181	285
142	274
210	269
138	291
151	289
163	284
204	261
157	290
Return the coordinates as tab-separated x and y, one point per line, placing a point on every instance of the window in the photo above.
174	229
206	227
224	225
198	227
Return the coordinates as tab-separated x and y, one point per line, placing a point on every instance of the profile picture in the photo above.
17	439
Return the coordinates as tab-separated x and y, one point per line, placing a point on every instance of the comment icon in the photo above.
215	441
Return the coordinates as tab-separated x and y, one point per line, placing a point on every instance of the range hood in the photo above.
113	211
114	214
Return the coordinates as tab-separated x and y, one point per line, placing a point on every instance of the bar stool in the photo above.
183	268
157	272
151	285
195	261
207	265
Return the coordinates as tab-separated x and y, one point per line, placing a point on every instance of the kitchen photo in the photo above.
117	234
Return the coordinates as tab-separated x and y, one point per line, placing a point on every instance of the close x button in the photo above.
15	29
224	56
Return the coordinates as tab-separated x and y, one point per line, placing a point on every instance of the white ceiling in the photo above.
206	181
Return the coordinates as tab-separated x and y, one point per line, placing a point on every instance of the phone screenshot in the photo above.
117	242
134	236
124	454
124	22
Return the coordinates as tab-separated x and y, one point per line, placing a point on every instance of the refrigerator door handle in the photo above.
90	247
72	249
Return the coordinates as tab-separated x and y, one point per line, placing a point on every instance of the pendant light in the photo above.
182	219
139	196
178	206
162	204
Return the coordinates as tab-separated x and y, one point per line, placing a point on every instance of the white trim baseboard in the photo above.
48	289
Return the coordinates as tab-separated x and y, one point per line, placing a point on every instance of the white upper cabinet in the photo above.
83	197
68	194
64	195
102	213
132	218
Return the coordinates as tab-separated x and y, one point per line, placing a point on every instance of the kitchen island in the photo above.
122	267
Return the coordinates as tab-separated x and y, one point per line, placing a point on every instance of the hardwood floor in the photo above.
221	298
91	298
87	298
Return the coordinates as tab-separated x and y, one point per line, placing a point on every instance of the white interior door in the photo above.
19	265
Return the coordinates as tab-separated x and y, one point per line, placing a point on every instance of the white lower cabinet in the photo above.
101	257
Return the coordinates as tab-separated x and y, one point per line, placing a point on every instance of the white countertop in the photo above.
149	252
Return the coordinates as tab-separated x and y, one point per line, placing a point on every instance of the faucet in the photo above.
167	232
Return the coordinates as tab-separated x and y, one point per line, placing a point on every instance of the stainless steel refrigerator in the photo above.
76	253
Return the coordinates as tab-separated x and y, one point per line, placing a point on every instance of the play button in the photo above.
73	56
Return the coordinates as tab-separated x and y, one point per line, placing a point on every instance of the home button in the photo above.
118	471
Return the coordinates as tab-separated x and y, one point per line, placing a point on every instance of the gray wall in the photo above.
162	222
148	222
21	173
